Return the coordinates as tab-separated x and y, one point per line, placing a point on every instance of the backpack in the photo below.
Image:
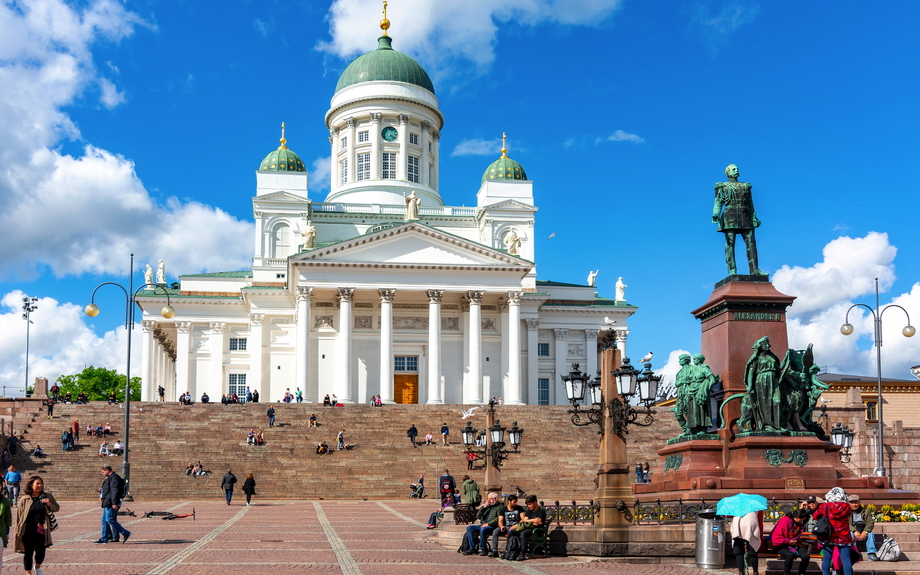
889	550
464	545
445	486
822	529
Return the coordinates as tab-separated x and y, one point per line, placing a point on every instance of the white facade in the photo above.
433	310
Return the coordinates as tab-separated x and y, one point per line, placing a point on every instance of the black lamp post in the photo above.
843	437
92	310
29	304
908	331
494	452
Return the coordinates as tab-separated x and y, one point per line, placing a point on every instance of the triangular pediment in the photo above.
512	205
412	244
281	196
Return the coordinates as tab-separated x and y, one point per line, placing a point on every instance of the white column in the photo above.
334	144
533	362
302	349
161	362
513	393
375	145
254	345
437	170
260	243
182	367
426	155
149	390
591	352
472	393
386	344
434	345
465	323
402	166
562	366
622	334
350	153
343	372
215	386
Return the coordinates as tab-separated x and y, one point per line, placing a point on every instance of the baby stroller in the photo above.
418	491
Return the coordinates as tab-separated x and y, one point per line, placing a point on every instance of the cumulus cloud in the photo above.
320	174
716	27
668	371
60	343
450	36
262	27
477	147
83	213
620	136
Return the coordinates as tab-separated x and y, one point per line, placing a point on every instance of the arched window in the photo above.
281	241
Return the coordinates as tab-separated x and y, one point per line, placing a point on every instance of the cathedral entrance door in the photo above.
405	388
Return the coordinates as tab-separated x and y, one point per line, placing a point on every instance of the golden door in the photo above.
405	388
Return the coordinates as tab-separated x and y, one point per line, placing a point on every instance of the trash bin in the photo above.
710	540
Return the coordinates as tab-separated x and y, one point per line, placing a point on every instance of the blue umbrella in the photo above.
741	504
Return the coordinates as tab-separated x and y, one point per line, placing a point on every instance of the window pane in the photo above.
543	349
344	142
237	384
413	139
414	169
400	363
362	136
364	167
412	363
871	411
543	391
237	344
343	166
389	166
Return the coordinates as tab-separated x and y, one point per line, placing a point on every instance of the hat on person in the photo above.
853	498
811	499
836	495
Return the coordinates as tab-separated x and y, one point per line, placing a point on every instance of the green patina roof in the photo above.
282	160
504	168
384	64
558	284
239	274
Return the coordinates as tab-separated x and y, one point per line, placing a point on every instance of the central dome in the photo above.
384	65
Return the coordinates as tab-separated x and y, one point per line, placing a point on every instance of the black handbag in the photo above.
52	520
822	530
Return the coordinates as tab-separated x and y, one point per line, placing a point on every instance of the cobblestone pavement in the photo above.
347	537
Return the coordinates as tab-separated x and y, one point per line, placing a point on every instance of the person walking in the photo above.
639	472
299	395
445	434
12	479
249	488
161	394
412	433
111	494
227	485
646	470
271	416
471	495
836	549
33	525
340	440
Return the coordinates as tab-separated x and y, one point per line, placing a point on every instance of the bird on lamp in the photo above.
647	358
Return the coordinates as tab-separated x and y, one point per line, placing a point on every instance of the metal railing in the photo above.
566	514
680	511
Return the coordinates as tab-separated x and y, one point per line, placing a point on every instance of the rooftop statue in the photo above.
412	203
513	242
621	290
592	277
161	273
308	236
734	212
148	275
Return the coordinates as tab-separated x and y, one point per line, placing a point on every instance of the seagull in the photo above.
551	236
647	358
609	321
468	412
826	400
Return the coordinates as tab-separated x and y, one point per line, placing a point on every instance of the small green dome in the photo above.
282	160
384	64
504	168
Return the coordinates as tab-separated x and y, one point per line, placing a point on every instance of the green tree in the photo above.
97	383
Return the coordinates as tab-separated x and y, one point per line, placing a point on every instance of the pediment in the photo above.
412	245
513	205
280	196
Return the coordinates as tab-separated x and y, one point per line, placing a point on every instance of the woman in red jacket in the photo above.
836	550
785	538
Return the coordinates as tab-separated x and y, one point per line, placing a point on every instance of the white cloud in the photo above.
670	369
262	27
319	175
621	136
716	28
477	147
83	213
445	36
60	343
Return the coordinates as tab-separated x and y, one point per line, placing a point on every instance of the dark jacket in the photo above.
450	480
228	481
113	490
249	486
413	432
867	517
488	515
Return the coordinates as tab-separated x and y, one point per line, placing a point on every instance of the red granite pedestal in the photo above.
741	310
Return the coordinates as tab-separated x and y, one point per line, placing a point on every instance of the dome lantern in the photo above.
283	159
504	168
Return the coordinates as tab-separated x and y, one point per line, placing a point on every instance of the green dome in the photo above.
384	64
282	160
504	168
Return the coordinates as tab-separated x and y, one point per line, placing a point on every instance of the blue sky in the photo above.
137	127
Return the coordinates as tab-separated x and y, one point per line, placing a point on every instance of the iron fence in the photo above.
679	511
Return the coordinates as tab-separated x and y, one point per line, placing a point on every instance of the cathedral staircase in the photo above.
557	460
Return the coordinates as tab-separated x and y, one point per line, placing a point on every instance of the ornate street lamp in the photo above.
908	331
493	452
29	304
843	437
92	310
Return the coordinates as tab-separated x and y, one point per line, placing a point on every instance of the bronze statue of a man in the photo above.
737	217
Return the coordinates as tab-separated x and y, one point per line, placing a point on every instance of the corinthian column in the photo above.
343	373
147	384
513	393
216	384
472	392
434	345
302	345
386	344
182	350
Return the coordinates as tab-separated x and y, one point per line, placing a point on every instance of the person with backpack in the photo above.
446	485
832	529
111	494
861	524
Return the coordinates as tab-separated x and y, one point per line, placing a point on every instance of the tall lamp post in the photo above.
493	452
29	304
610	410
908	331
92	310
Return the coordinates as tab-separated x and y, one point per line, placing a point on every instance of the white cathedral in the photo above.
380	288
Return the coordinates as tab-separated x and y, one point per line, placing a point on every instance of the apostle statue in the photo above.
621	290
412	204
513	242
148	275
591	277
308	236
734	212
161	273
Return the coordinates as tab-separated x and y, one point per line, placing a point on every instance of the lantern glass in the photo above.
594	392
848	440
648	387
574	384
837	435
626	381
514	435
469	434
498	433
